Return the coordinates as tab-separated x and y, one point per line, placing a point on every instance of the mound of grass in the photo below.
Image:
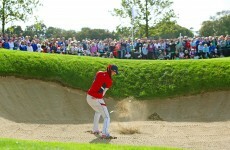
141	79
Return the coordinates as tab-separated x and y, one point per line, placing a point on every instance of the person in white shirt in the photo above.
39	47
29	47
11	43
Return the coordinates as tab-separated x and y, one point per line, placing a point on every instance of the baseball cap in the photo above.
114	68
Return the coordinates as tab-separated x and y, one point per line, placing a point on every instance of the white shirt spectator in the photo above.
29	48
11	43
157	45
39	47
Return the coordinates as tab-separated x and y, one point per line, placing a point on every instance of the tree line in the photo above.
42	31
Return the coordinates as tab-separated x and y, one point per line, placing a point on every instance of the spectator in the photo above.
176	55
34	45
144	52
186	54
116	49
16	45
172	48
150	49
39	47
123	49
128	47
6	44
1	43
111	55
80	50
11	44
100	47
23	46
111	47
193	44
205	51
105	53
181	54
161	55
192	53
138	46
200	50
93	49
29	47
53	47
212	50
187	45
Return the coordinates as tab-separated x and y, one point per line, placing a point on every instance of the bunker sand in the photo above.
46	111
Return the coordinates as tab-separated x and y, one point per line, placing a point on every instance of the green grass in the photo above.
13	144
142	79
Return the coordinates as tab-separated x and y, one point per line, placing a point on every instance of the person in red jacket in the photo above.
102	82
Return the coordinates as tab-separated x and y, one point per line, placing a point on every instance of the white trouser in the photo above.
100	109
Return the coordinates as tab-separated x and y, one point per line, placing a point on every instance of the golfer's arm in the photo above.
105	91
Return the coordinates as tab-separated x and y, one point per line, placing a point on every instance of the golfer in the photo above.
102	82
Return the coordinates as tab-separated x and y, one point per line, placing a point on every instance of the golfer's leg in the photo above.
96	107
97	116
105	114
106	121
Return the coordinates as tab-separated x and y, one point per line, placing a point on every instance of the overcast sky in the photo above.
75	14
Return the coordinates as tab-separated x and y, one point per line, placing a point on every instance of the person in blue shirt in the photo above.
23	47
212	50
34	45
6	44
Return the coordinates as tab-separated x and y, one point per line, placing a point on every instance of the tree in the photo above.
54	32
123	32
17	30
94	34
38	29
83	34
207	28
168	30
149	12
16	10
69	33
217	25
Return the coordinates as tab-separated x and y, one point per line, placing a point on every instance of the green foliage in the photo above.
142	79
14	30
83	34
35	29
207	28
95	34
217	25
124	32
169	29
150	12
40	29
55	32
14	10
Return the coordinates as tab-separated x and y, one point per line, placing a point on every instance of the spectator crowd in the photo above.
179	48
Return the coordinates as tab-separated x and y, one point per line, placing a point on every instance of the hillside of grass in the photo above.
142	79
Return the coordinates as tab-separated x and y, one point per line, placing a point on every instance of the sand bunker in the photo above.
38	110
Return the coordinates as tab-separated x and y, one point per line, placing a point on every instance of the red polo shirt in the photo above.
101	81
